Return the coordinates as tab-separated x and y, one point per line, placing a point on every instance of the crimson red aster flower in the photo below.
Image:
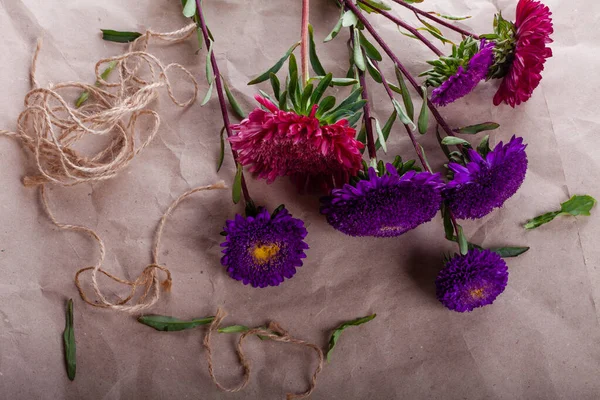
274	143
532	30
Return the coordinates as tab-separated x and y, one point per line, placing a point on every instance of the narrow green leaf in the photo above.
210	75
484	147
505	252
424	114
353	119
306	96
454	141
275	84
222	152
408	104
119	36
293	86
171	324
283	101
338	332
462	241
237	185
387	128
314	58
373	71
473	129
450	17
336	28
378	4
359	58
402	114
325	105
232	101
343	81
275	68
371	51
69	343
208	94
189	9
380	136
425	157
448	226
321	88
104	75
234	329
349	19
442	146
541	220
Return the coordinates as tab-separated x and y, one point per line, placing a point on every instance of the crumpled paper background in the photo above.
540	340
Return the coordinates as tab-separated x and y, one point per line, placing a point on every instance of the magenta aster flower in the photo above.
465	80
384	206
470	281
533	28
486	183
282	143
265	249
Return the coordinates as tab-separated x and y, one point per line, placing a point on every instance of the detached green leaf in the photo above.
275	68
380	136
189	9
233	329
314	58
233	102
222	152
505	252
119	36
424	114
359	57
171	324
473	129
338	332
576	205
104	75
336	28
237	184
69	342
454	141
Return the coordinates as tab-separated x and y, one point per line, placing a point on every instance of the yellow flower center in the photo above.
477	293
262	254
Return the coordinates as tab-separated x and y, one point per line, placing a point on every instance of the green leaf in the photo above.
306	96
233	102
484	147
402	114
321	88
505	252
462	241
210	75
473	129
275	68
371	51
275	84
424	114
362	136
189	9
353	119
377	4
358	56
233	329
293	86
119	36
380	136
104	75
373	71
454	141
450	17
349	19
425	157
448	226
283	101
222	152
336	28
69	342
171	324
338	332
387	128
314	58
576	205
408	104
237	184
325	105
208	94
343	81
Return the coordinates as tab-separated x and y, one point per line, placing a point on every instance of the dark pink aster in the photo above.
472	280
533	29
276	143
486	183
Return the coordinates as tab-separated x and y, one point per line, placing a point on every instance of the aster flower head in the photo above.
385	204
457	75
521	51
472	280
315	147
263	249
486	181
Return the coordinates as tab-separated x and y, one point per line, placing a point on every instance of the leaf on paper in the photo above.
338	332
170	324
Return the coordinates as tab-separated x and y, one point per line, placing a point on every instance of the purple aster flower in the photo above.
384	206
464	80
263	250
486	183
471	281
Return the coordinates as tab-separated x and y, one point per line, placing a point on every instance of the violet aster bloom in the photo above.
384	206
486	183
471	281
464	80
263	250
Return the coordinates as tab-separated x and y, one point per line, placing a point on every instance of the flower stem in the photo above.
220	94
409	28
436	19
304	40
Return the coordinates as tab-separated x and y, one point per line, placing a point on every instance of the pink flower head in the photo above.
276	143
533	29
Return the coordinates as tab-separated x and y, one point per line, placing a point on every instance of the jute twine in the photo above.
274	332
49	127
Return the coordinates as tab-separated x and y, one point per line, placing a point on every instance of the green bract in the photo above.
446	66
504	37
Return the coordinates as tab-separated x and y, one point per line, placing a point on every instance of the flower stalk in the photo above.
304	40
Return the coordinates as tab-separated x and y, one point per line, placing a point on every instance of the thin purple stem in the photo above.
409	28
436	19
222	101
